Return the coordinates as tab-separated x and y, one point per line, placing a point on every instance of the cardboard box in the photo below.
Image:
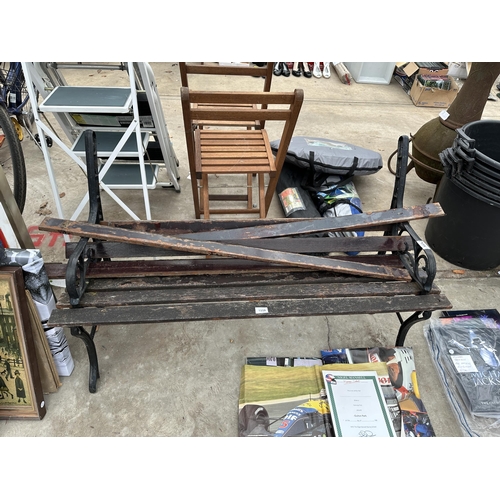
406	68
433	97
406	72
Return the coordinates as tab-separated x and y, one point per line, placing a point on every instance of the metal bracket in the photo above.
88	340
82	256
408	323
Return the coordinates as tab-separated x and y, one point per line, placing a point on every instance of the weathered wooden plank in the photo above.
332	224
214	266
218	230
142	294
108	249
116	282
84	229
179	227
244	309
55	270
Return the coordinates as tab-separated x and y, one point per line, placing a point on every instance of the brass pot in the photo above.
439	133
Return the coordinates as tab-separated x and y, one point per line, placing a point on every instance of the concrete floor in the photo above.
183	379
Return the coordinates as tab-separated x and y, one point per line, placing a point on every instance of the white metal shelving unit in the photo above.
124	136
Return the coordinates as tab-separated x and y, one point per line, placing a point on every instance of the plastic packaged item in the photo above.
291	201
465	350
37	283
295	200
338	201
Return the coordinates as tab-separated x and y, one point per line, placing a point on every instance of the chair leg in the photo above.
204	190
271	187
196	195
262	197
200	198
249	191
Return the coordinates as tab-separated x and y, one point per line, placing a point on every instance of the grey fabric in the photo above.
329	156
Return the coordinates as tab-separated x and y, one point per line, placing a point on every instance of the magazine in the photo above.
289	401
283	361
410	417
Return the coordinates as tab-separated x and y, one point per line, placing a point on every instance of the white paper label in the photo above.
261	310
463	363
423	245
444	114
271	362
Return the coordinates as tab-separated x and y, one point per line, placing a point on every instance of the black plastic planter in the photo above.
469	234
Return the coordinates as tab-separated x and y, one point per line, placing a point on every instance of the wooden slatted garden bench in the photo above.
134	272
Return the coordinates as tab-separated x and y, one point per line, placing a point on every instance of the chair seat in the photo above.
233	152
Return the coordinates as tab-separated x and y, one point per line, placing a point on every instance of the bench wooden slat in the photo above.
176	227
198	267
292	227
143	294
116	282
351	223
123	315
110	249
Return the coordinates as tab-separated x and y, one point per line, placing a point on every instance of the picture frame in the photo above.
21	394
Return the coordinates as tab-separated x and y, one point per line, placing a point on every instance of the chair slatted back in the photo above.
213	69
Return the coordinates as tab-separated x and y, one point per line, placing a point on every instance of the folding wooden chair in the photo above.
266	72
229	150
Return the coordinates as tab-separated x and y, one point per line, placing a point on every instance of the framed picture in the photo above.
21	394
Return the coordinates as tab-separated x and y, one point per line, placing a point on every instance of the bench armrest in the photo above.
419	259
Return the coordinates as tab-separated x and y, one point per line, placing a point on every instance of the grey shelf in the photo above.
128	176
106	142
88	100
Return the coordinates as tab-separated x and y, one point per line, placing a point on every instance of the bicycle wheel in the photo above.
17	98
12	158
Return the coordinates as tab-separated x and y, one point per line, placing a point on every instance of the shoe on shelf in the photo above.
277	70
306	69
317	70
326	70
296	69
284	69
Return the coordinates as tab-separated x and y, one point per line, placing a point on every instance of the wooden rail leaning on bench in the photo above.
157	271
